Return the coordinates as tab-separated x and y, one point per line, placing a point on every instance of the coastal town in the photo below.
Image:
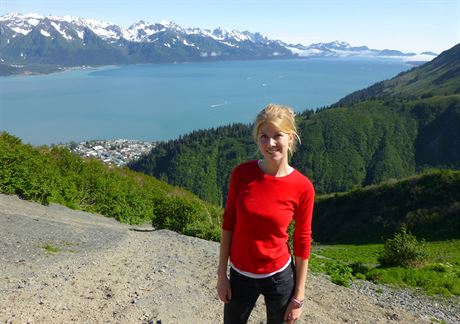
117	152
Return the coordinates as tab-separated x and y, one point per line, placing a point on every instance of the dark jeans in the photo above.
277	291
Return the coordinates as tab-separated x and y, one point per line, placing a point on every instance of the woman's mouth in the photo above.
271	151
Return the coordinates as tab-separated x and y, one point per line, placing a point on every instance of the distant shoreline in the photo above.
46	69
36	70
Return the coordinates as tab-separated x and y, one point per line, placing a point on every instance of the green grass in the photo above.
433	282
50	248
366	254
62	246
446	251
440	274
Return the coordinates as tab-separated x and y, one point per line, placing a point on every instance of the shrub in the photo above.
439	267
359	270
402	250
24	171
203	229
341	274
174	213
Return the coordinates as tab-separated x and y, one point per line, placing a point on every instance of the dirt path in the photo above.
104	272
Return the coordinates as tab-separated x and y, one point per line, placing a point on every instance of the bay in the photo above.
163	101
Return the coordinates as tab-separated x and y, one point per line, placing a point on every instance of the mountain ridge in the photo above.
28	39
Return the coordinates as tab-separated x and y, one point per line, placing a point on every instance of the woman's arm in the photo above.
301	270
293	311
223	284
302	245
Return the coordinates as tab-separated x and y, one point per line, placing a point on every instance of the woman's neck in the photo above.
274	169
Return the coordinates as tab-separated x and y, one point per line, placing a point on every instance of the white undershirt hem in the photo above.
262	275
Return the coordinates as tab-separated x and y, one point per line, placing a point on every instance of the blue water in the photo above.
161	102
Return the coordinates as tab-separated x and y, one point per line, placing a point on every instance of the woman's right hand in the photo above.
223	288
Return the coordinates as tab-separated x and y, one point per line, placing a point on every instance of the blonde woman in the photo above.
264	197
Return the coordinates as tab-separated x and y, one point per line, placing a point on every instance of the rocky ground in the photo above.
60	266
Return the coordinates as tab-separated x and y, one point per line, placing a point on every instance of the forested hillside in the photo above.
427	205
393	129
201	160
375	140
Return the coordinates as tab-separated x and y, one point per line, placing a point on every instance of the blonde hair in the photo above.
282	117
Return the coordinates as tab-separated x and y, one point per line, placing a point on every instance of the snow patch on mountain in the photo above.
61	30
45	33
141	31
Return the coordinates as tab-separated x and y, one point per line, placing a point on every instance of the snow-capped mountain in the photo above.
73	41
66	26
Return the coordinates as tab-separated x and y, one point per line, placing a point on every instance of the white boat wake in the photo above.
219	104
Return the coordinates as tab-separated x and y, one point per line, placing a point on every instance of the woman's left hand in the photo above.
292	313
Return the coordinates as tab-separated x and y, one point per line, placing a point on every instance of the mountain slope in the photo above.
54	175
428	205
375	140
441	76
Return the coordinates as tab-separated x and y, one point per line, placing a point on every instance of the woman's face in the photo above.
273	143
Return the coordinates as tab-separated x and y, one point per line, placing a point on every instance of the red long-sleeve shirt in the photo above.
259	209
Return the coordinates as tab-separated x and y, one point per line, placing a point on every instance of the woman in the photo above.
264	197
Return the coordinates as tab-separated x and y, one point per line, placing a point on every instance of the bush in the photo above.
359	270
341	274
174	213
439	267
24	171
402	250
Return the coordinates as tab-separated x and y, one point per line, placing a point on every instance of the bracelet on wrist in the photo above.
297	303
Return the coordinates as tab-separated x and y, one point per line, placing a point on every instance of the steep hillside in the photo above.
200	161
377	140
350	145
441	76
54	175
428	205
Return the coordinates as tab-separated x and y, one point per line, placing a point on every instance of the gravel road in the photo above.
102	271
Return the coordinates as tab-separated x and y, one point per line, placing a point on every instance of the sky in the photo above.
405	25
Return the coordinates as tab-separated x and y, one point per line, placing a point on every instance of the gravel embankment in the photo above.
106	272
